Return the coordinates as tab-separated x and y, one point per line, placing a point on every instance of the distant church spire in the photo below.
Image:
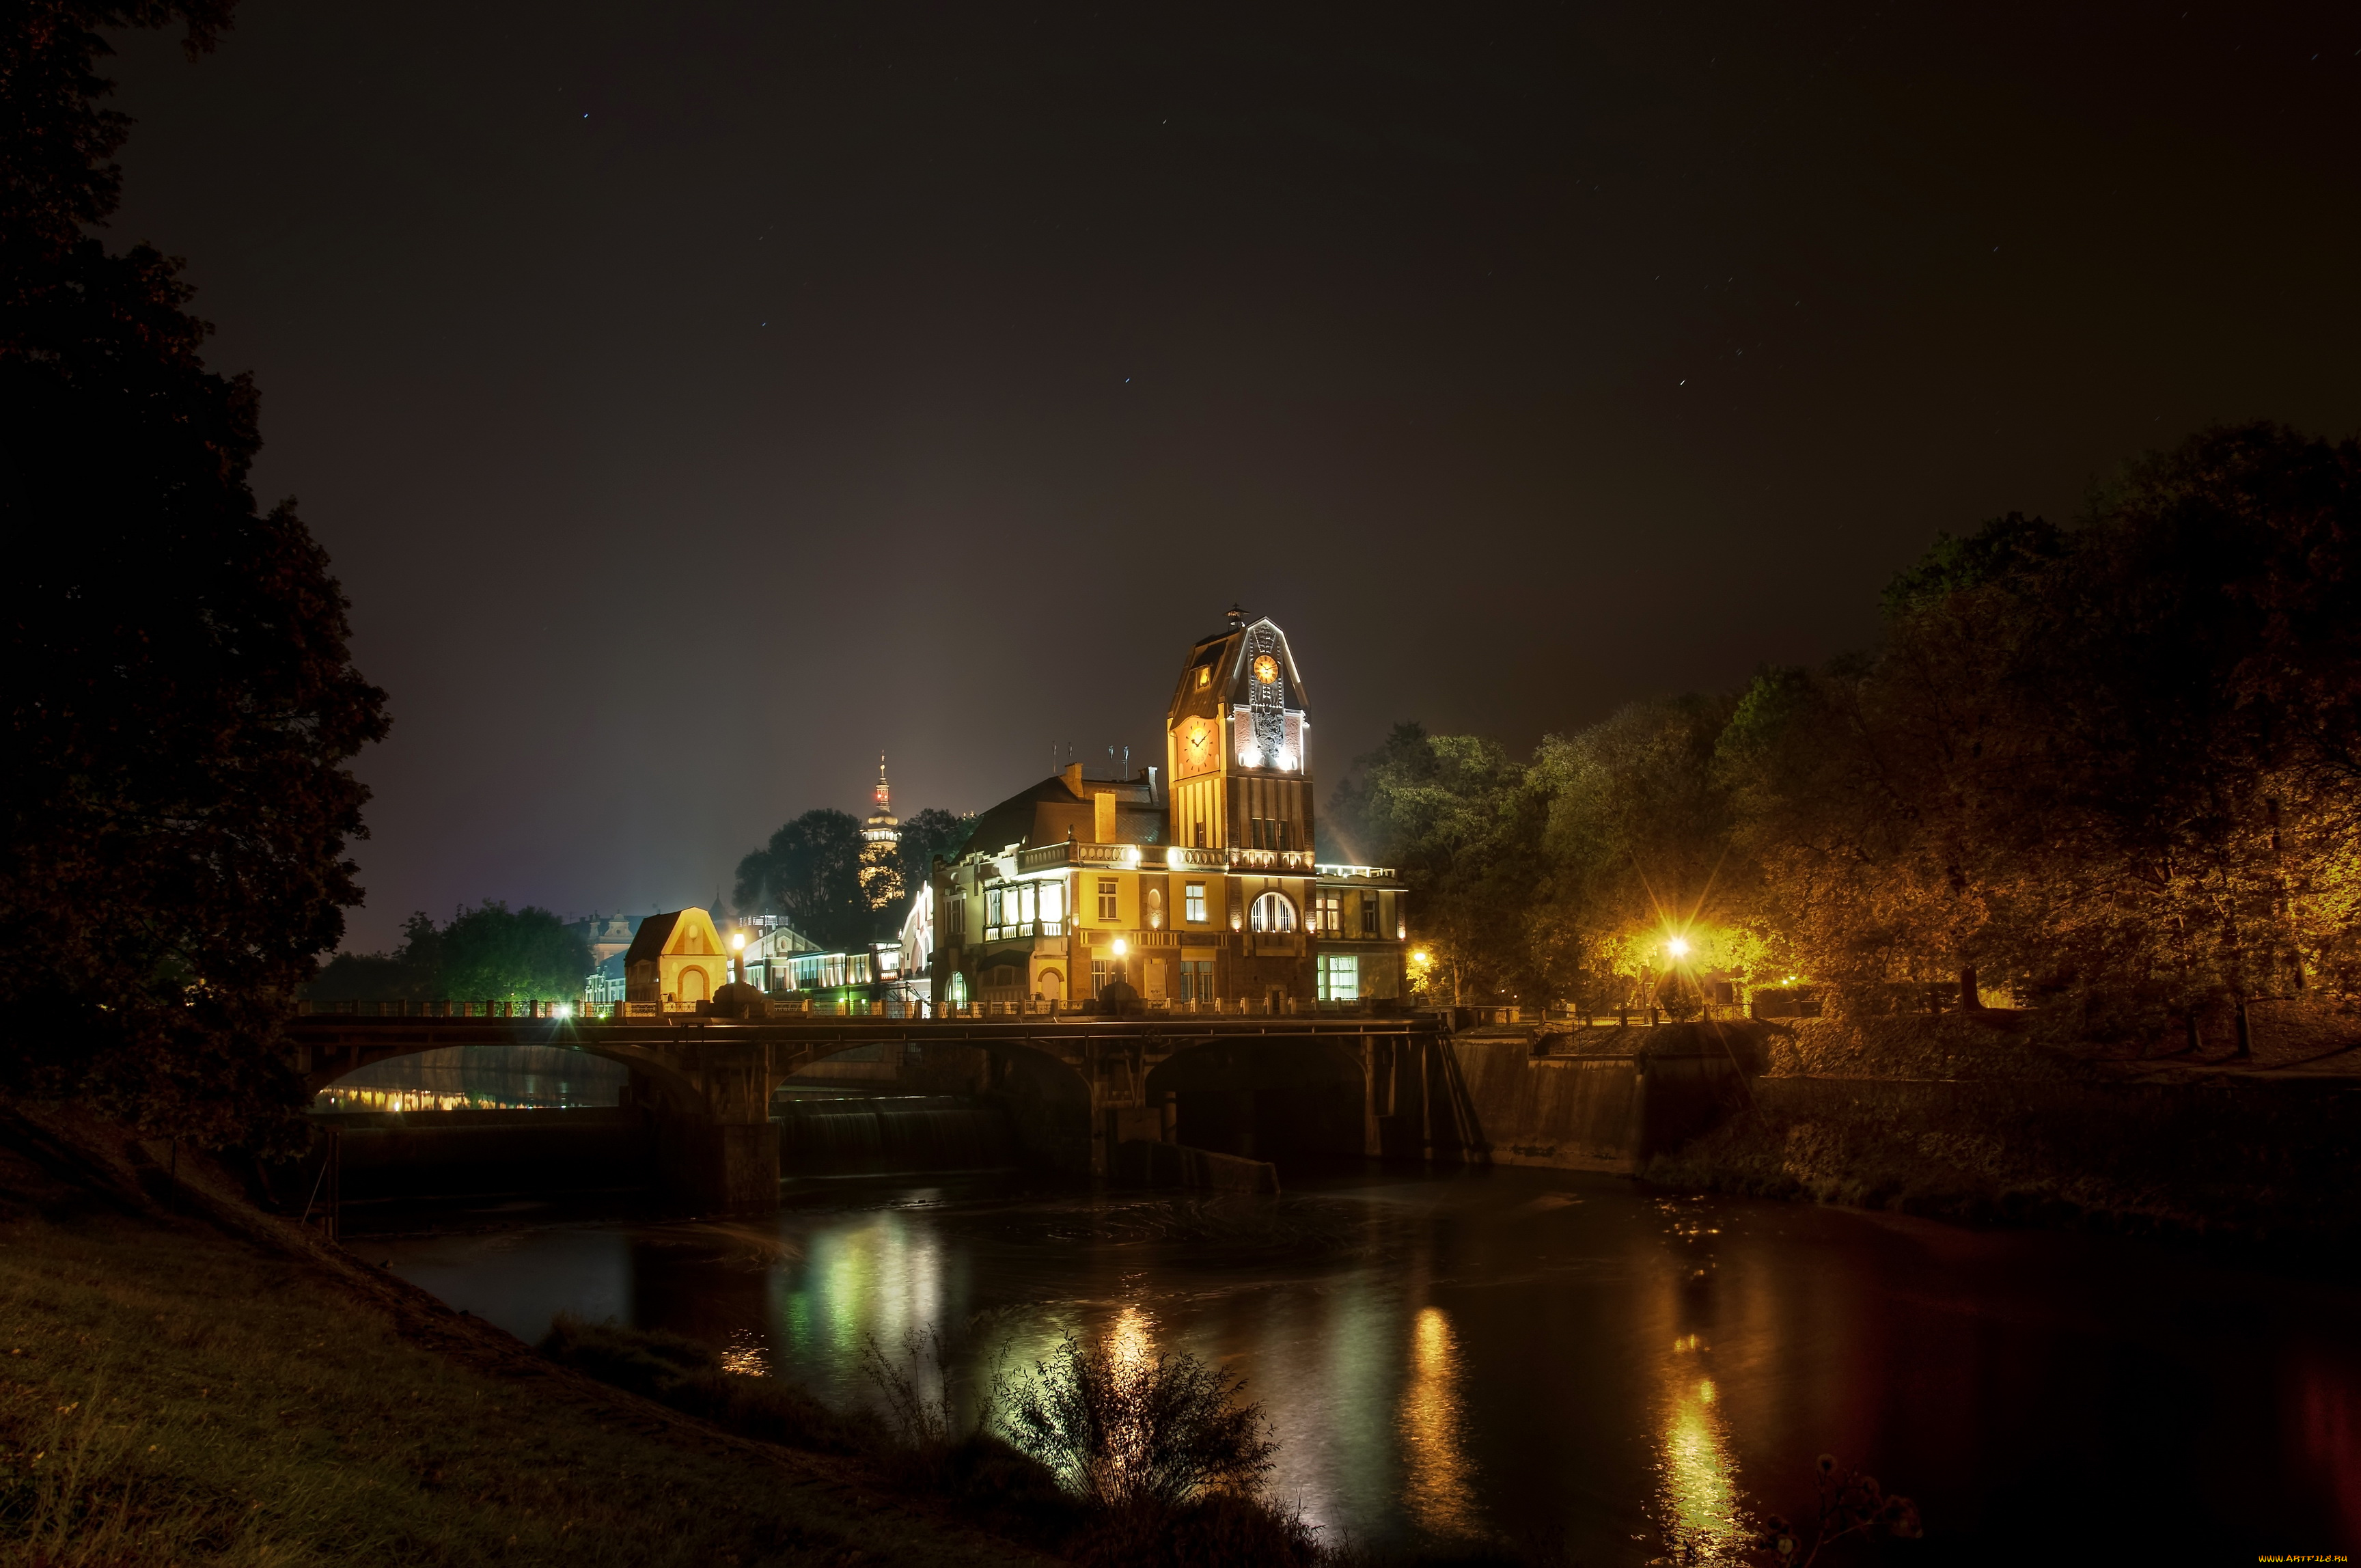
879	879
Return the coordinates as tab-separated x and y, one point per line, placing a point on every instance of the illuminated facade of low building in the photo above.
677	959
1205	894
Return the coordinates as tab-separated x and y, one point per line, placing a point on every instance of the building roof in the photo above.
1061	806
1225	652
648	941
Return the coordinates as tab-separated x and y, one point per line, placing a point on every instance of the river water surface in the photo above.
1555	1364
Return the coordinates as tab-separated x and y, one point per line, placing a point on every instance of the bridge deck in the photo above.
340	1028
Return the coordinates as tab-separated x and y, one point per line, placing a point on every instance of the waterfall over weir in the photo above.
892	1136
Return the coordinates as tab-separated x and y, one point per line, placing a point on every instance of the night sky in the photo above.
698	400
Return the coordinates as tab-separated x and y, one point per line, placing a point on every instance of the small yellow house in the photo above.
677	959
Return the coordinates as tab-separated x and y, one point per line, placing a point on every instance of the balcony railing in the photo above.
1024	928
1271	860
1370	873
1049	857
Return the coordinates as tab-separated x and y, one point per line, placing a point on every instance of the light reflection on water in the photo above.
1700	1508
1437	1481
1552	1362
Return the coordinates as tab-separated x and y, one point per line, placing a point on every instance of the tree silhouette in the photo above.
180	701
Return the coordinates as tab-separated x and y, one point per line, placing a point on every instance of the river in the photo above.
1555	1365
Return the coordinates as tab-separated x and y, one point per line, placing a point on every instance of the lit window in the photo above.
1340	977
1107	898
992	901
1368	915
1331	917
1272	913
1194	901
1053	902
1196	980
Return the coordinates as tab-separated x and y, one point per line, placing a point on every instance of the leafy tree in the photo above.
180	702
412	973
1450	812
2116	762
503	955
489	953
811	873
930	835
1635	852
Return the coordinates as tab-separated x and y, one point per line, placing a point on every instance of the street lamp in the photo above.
1678	946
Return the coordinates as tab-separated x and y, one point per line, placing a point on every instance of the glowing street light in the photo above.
1121	946
1678	946
738	940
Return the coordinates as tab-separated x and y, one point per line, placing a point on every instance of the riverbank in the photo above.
1996	1120
188	1379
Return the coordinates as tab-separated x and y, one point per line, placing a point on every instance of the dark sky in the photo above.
699	399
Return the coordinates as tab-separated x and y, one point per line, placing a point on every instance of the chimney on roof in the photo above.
1073	774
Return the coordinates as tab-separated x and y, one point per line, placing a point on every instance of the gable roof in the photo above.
656	932
1225	652
648	941
1026	816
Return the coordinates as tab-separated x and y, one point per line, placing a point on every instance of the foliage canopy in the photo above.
2117	761
180	702
489	953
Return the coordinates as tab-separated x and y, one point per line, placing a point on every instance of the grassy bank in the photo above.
186	1380
2001	1121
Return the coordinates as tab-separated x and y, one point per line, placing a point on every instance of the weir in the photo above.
893	1137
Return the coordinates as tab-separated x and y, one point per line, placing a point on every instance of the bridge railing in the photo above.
889	1009
355	1007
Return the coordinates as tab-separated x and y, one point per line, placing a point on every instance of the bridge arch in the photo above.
652	1071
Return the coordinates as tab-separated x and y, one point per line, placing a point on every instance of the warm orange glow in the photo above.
1439	1485
1131	1338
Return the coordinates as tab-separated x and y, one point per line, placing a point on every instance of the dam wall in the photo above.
1588	1099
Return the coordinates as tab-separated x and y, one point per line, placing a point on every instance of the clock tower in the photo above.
1237	741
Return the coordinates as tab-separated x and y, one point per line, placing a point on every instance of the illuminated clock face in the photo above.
1197	746
1266	670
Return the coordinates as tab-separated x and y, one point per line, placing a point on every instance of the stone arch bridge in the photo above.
1075	1087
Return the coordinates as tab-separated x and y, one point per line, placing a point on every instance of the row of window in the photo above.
1028	903
1340	979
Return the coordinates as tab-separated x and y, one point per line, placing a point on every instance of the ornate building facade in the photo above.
1203	895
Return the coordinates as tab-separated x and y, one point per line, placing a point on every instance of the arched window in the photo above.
692	984
1272	912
